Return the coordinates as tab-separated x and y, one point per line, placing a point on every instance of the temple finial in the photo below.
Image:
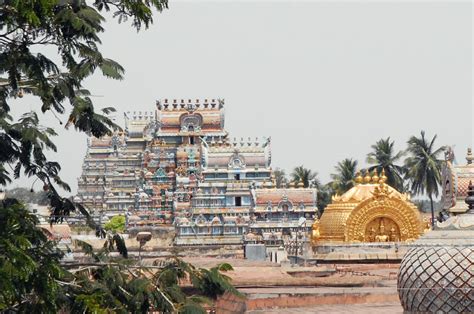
367	177
375	176
383	177
359	179
300	184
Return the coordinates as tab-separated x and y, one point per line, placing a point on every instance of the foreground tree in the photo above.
344	177
30	272
33	279
31	275
72	28
383	157
423	166
305	175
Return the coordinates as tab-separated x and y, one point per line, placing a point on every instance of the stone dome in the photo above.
437	274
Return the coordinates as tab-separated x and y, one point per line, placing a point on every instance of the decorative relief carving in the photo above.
388	213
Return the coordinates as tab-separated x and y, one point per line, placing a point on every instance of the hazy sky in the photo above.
324	79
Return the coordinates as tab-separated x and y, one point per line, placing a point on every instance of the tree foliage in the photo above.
325	191
33	278
383	157
116	224
307	176
344	177
423	166
29	263
280	178
73	28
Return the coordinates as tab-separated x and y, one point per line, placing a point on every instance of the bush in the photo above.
116	224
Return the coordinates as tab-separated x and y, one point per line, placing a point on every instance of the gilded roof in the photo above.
348	216
362	192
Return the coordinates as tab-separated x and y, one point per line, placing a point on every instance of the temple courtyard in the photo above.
331	288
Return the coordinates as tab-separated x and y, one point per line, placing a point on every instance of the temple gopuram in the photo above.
371	211
178	166
455	182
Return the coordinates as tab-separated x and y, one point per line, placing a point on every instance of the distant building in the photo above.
278	216
177	165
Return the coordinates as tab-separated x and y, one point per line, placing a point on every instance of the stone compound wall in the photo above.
294	301
231	304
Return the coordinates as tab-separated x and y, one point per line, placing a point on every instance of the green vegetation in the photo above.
307	176
32	278
343	179
383	157
423	167
55	77
30	272
116	224
280	178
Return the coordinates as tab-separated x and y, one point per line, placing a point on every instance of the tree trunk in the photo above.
432	212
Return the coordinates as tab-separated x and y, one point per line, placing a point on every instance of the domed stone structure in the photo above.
371	211
437	274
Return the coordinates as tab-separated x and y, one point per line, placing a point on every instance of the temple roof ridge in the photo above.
190	104
138	116
237	143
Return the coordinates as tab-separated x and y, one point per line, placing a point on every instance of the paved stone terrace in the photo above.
349	288
385	308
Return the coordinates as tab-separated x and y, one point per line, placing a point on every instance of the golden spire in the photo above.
375	176
383	178
300	184
292	184
367	177
358	179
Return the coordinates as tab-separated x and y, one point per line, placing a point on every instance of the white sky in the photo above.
324	79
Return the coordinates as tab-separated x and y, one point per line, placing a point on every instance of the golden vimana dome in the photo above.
371	211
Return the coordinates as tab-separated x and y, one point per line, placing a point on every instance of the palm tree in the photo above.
383	157
343	179
307	176
325	192
280	177
424	167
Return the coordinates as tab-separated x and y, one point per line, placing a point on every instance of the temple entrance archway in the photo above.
382	219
